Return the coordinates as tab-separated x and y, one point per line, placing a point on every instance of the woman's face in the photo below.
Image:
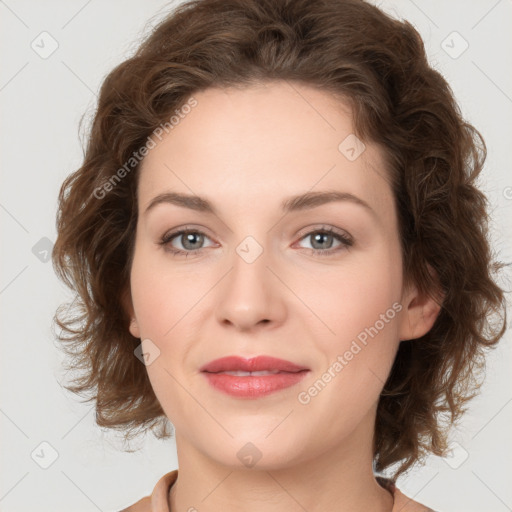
252	279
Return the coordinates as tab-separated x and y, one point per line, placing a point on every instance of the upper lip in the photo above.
254	364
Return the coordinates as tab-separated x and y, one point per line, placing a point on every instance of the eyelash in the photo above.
345	240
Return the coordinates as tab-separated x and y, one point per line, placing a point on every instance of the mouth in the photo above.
240	373
254	365
252	378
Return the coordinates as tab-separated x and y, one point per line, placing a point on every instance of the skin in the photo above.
246	150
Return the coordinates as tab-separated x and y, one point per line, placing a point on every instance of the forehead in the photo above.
263	141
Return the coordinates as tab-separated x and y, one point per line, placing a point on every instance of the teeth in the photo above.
248	374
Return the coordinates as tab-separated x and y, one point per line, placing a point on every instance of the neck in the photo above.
341	480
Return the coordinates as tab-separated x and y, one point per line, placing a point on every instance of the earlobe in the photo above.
420	313
127	303
134	328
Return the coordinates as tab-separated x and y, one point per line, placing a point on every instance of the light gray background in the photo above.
42	100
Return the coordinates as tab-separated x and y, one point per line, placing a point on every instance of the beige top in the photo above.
159	499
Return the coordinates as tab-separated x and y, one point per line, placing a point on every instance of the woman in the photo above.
278	246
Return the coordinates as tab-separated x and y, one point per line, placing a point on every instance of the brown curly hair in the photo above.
353	50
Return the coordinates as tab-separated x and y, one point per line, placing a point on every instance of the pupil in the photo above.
318	238
190	238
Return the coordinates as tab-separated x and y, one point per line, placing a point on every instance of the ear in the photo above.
127	303
420	311
134	328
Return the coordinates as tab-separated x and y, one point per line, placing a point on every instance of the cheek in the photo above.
357	360
160	295
348	299
148	301
161	301
358	334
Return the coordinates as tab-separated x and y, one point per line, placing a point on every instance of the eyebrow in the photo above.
292	204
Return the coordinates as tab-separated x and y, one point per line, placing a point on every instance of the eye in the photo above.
190	240
322	241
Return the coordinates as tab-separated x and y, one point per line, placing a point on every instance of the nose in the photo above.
251	295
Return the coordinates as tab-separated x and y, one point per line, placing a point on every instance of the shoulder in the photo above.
143	505
158	500
405	504
402	503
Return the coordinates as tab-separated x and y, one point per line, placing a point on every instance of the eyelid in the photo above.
323	228
176	232
345	239
186	228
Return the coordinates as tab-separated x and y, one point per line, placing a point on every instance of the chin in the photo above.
255	451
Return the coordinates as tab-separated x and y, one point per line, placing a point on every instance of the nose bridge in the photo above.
249	294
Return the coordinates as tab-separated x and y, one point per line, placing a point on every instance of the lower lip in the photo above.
254	387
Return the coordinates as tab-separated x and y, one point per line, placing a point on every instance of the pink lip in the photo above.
259	363
252	386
